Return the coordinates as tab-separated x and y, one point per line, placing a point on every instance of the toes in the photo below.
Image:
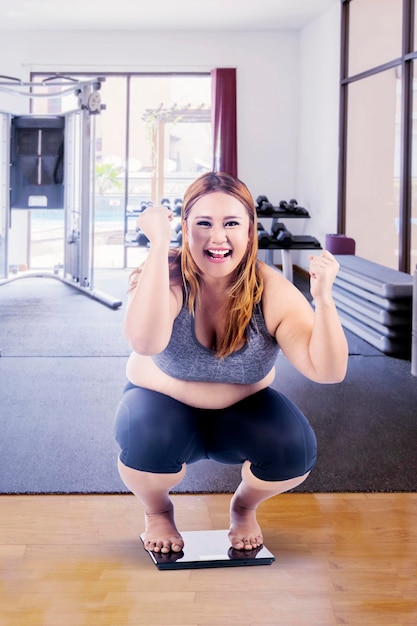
153	546
247	543
177	547
164	547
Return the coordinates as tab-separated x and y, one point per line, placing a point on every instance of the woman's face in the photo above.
217	229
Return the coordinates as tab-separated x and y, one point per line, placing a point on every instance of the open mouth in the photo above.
218	254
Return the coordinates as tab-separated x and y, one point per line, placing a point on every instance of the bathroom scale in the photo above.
209	548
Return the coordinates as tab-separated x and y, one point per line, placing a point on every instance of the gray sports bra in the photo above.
187	359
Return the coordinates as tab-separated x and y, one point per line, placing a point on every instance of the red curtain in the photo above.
224	122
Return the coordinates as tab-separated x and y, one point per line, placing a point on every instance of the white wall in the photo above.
266	73
318	124
277	95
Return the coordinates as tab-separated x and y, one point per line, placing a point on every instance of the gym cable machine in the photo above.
48	162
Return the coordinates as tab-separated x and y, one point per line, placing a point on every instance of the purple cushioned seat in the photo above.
340	244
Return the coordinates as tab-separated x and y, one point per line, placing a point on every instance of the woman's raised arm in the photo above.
313	340
152	304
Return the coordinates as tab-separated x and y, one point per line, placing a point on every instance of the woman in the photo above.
205	324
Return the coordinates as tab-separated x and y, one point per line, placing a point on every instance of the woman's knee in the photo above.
275	486
285	445
153	431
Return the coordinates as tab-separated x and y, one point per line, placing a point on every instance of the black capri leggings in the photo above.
158	434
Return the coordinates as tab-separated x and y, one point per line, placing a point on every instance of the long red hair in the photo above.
246	285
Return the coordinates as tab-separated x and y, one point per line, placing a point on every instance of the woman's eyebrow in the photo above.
210	217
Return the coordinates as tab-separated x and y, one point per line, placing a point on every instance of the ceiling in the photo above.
189	15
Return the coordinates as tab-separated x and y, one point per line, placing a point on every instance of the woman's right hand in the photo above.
155	223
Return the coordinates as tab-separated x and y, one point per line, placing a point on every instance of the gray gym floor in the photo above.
62	372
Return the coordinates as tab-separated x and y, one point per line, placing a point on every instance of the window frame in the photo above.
405	62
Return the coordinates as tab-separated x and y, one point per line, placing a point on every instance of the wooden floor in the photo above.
340	559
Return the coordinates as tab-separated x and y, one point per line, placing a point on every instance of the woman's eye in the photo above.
232	223
204	223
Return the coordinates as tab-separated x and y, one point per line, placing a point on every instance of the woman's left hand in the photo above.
323	271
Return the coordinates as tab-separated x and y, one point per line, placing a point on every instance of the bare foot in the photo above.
245	532
161	534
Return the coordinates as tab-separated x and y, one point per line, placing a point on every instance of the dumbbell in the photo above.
294	208
264	238
277	228
299	210
178	233
141	239
264	206
282	235
177	206
144	205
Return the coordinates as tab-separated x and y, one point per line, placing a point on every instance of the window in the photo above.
373	167
377	173
151	140
375	30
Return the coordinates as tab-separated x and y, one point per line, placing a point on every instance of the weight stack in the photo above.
375	303
37	162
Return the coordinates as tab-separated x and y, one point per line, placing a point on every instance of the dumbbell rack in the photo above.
299	242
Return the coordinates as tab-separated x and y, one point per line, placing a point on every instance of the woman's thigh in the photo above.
155	432
268	430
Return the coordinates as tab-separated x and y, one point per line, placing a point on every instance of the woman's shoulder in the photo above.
273	278
280	297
